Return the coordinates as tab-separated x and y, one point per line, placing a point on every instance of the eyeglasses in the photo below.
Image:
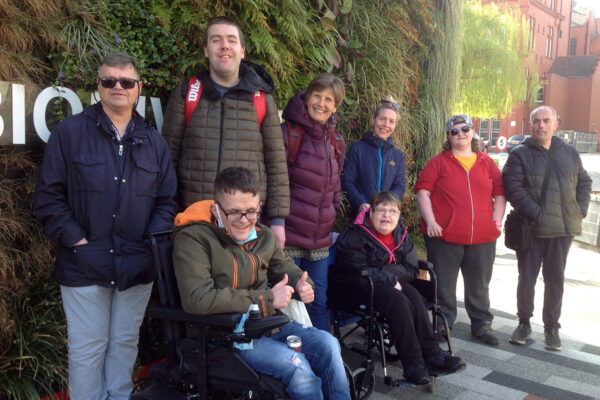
383	211
126	83
395	106
465	129
250	215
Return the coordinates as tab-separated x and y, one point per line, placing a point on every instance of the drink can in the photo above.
294	342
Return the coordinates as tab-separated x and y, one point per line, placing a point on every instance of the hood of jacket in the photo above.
370	138
253	77
295	112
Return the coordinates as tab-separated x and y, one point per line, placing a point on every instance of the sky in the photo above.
590	4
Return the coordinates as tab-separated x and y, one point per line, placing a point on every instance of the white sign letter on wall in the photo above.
1	120
18	113
39	108
157	111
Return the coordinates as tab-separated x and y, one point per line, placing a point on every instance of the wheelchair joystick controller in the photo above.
254	311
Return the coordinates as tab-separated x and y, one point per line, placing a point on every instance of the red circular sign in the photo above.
501	143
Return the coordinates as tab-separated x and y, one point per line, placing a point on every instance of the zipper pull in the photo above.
120	149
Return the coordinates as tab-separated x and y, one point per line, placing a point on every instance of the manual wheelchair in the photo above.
352	310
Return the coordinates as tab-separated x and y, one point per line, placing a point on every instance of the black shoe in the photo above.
552	340
445	362
486	335
416	374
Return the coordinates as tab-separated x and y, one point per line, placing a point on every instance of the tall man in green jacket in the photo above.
223	130
555	222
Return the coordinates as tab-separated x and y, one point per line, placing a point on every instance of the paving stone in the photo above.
574	386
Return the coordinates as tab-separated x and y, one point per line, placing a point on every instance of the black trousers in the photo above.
476	262
551	255
409	323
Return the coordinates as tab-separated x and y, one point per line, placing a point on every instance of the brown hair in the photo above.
233	179
327	81
226	21
475	143
385	196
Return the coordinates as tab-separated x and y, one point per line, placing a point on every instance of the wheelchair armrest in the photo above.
256	328
225	321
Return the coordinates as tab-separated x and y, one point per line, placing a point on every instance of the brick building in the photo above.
566	54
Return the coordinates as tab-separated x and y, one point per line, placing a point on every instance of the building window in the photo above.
531	21
551	4
540	96
495	131
573	47
549	39
483	129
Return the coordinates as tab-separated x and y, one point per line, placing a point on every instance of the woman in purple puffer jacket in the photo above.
315	160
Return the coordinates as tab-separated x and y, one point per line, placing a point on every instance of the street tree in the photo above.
496	65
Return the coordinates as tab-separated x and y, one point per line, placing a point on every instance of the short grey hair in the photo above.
119	60
552	110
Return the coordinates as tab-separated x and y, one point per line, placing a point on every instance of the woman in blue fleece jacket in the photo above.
373	164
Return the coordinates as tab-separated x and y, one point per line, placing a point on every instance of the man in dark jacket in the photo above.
106	181
555	221
223	130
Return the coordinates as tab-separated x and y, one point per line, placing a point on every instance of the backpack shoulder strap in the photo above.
294	139
260	105
193	97
336	142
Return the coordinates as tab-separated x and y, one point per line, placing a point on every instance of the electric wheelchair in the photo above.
200	362
352	311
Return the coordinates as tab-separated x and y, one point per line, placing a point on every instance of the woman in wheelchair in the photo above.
378	244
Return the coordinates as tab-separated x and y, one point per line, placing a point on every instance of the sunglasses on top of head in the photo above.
455	131
126	83
395	106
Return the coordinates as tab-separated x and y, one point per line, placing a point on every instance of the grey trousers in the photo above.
475	261
103	326
551	255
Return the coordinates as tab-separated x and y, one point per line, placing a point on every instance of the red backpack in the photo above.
295	137
195	92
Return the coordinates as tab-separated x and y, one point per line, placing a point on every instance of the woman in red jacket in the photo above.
461	201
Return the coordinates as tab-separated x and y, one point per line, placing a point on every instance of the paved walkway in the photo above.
528	372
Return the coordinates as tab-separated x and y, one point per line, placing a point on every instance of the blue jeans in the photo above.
317	310
316	372
103	326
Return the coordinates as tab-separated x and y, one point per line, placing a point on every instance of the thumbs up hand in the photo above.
282	293
304	289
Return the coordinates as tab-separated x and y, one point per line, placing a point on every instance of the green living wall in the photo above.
401	48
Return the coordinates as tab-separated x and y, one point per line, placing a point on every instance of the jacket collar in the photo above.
96	113
253	78
370	138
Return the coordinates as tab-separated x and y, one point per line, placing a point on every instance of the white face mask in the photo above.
219	220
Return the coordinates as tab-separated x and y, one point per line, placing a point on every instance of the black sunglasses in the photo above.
465	129
126	83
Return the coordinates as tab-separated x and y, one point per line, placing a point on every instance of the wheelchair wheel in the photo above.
364	382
